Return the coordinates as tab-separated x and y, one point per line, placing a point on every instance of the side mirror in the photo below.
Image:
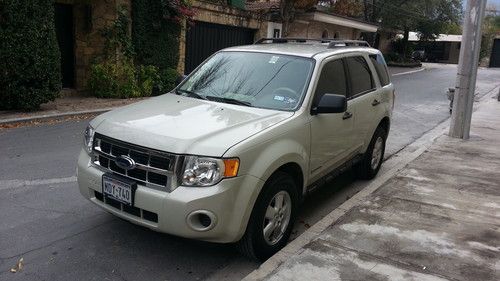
179	79
330	103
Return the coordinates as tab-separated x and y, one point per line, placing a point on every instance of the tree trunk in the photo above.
286	11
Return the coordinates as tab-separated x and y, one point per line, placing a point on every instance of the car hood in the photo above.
186	125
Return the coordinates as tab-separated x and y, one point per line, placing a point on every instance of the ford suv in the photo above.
229	154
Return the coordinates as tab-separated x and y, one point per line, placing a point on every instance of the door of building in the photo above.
65	39
203	39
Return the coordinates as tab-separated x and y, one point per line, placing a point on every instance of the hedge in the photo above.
29	54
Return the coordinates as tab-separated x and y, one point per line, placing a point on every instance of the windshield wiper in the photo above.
190	94
229	100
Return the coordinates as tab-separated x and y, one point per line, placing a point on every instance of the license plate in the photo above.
119	189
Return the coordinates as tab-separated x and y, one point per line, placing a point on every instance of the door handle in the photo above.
347	115
375	102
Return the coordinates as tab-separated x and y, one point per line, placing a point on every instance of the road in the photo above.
61	236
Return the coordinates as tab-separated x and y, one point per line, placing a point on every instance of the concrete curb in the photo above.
403	157
53	116
408	72
399	161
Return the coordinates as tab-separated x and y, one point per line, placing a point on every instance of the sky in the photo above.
497	2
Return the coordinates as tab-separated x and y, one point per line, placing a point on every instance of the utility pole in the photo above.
467	69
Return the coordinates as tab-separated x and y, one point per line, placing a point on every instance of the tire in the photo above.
366	169
254	244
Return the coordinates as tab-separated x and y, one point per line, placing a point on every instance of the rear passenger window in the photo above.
380	66
332	80
359	75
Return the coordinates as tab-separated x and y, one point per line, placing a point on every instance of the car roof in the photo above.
305	49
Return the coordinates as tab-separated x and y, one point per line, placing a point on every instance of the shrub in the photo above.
124	80
148	79
168	78
113	80
29	55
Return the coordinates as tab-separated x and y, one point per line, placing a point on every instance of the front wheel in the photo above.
374	155
272	218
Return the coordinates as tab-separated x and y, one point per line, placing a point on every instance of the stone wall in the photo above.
89	43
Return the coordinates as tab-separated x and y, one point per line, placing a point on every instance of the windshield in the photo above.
252	79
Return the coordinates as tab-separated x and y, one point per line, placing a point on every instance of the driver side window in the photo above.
332	80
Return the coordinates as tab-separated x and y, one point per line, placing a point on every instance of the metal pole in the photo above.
467	69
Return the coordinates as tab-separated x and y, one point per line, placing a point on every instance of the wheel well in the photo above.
294	170
386	124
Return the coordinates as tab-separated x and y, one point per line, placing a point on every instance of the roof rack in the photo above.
332	43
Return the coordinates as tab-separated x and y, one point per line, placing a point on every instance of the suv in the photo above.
229	154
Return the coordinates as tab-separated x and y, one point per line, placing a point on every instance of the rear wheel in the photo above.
272	218
374	155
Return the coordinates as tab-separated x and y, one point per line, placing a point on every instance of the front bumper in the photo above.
231	201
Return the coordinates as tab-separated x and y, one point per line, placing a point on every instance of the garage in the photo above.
203	39
495	54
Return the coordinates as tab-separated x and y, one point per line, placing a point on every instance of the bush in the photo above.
112	80
168	78
29	55
148	79
124	80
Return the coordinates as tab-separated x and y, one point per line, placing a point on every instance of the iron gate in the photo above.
203	39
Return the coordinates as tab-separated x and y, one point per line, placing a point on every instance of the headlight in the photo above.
88	138
204	171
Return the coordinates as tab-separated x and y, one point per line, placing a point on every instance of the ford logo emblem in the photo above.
125	162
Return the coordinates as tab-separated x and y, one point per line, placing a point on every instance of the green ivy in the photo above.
155	37
142	64
29	54
117	36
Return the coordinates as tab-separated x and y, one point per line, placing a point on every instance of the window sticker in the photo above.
280	98
274	59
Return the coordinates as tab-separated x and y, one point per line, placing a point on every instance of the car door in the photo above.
331	134
366	97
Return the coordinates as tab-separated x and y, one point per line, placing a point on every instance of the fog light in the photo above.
201	220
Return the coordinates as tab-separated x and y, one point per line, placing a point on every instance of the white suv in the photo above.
228	155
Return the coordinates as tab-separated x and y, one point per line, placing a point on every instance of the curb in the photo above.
408	72
401	159
53	116
404	157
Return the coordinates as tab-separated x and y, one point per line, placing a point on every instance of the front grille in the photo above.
154	169
141	213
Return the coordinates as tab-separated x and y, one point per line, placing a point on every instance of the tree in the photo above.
29	55
288	9
427	17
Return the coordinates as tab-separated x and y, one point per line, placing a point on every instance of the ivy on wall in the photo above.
142	63
156	31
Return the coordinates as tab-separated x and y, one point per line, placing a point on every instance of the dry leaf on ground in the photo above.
18	267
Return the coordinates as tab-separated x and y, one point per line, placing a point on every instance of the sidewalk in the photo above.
65	106
438	218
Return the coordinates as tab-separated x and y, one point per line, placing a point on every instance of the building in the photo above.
78	25
217	24
444	49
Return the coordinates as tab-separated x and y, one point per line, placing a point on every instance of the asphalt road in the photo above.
61	236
